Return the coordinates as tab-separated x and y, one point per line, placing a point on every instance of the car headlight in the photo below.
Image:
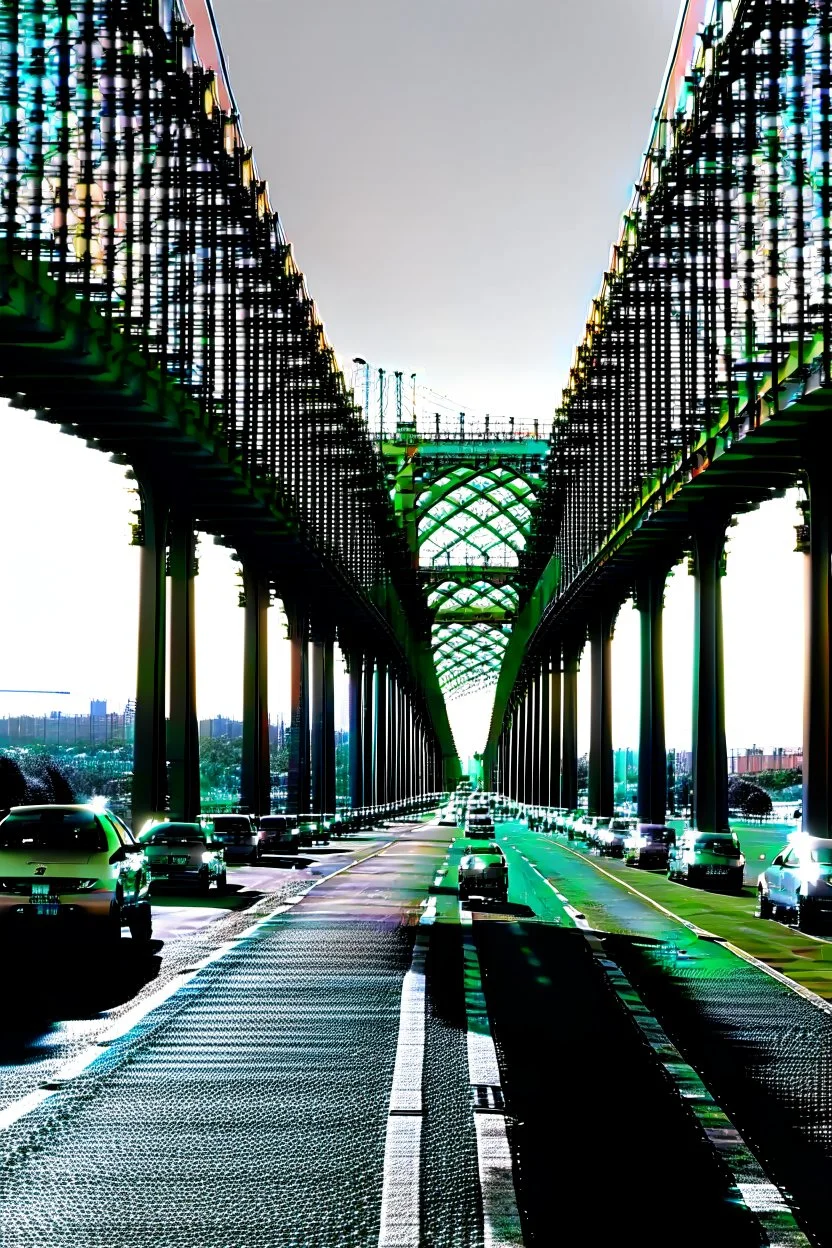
208	855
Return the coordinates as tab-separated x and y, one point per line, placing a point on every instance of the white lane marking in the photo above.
819	1002
18	1109
501	1219
400	1205
763	1199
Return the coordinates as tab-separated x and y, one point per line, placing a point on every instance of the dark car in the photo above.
278	834
647	845
707	859
183	854
237	835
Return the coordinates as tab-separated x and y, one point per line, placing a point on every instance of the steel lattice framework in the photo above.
715	315
470	498
150	303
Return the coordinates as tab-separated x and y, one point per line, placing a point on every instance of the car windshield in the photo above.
823	855
232	825
175	836
728	846
51	830
274	823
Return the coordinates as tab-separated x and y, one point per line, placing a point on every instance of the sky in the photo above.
451	175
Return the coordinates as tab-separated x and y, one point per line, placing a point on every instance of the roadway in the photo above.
339	1053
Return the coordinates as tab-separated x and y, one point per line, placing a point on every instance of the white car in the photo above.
483	873
799	881
72	868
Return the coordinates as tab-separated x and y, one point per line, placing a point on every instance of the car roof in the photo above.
74	807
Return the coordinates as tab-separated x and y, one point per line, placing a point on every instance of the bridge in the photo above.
337	1045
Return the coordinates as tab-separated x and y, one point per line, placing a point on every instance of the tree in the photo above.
748	799
12	783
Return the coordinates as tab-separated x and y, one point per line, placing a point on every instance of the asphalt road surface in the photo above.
339	1053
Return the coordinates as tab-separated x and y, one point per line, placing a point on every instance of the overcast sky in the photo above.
452	174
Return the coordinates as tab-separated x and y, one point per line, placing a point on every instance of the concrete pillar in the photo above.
183	729
601	790
355	663
652	753
367	735
150	784
329	796
255	773
323	724
297	800
817	737
522	747
380	742
555	697
569	777
534	760
710	757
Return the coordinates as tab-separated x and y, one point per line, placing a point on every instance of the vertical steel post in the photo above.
355	662
710	757
380	743
255	773
367	734
817	738
555	690
544	685
328	791
652	753
534	756
601	788
569	781
297	799
149	747
183	729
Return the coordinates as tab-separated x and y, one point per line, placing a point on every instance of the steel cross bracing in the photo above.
465	498
707	350
150	303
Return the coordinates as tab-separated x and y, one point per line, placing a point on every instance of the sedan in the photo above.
183	854
702	858
647	846
611	839
798	882
483	873
278	834
237	835
73	867
479	825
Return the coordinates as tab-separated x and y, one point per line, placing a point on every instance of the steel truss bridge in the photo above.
151	305
700	389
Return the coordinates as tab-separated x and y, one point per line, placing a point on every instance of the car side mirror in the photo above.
778	861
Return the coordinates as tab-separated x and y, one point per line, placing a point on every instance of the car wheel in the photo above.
693	877
204	883
254	857
141	926
222	882
765	910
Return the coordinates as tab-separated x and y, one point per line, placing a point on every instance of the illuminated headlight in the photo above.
811	874
637	841
208	855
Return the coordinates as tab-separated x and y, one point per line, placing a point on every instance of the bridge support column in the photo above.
380	742
601	788
297	797
534	755
544	685
522	746
571	661
817	734
255	773
150	784
367	790
355	667
516	753
323	725
183	734
652	753
554	682
710	756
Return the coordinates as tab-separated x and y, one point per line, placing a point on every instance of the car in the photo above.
238	836
483	873
185	855
73	867
278	834
647	845
798	882
610	839
593	826
702	858
479	825
447	819
312	831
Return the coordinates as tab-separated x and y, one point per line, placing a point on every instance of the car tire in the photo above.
204	886
693	877
765	909
141	925
222	882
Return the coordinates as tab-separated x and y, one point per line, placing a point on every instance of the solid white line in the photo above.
400	1205
501	1219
